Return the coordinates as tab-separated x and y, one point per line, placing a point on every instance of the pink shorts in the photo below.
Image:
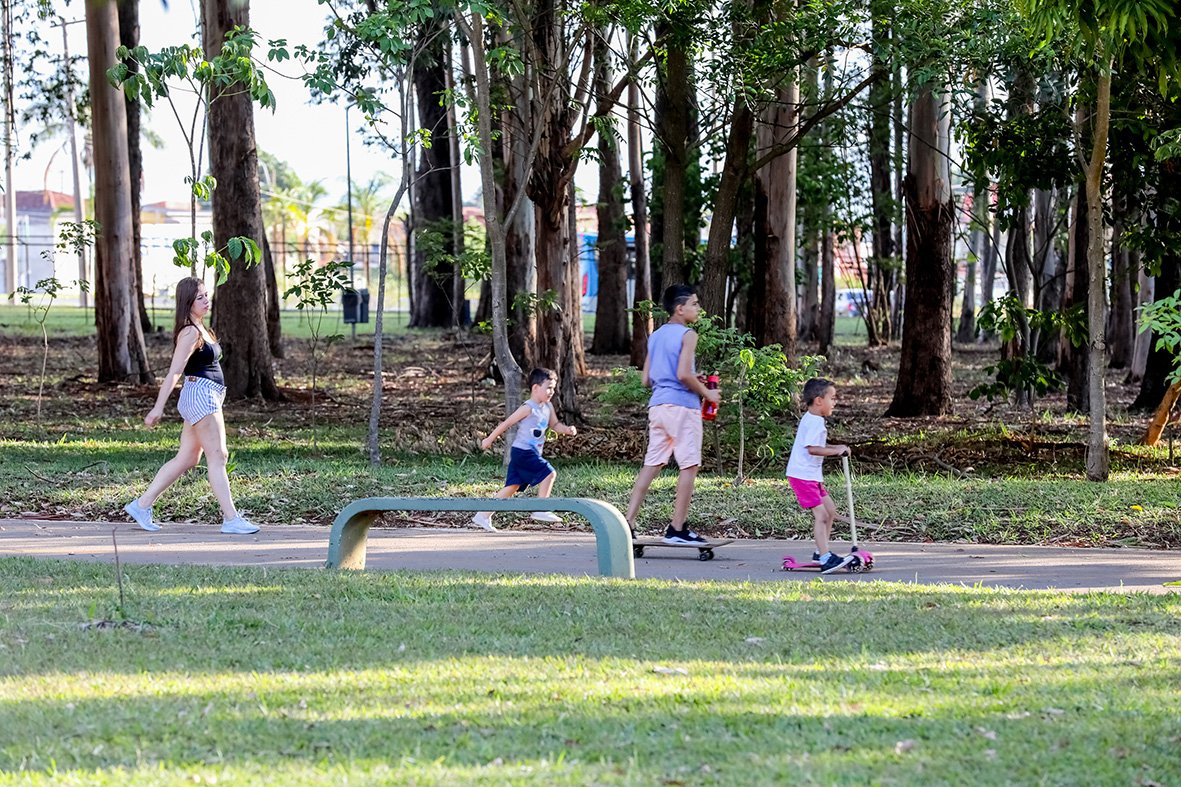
809	493
674	430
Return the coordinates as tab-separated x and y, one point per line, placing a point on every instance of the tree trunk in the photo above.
129	37
239	315
507	364
641	322
809	302
1047	272
511	148
611	323
1121	321
924	373
966	332
1073	361
274	323
712	292
1161	416
777	180
121	353
883	264
828	290
551	186
433	212
1097	454
1158	362
1144	295
674	84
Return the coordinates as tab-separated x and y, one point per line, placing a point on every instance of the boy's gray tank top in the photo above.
531	428
664	352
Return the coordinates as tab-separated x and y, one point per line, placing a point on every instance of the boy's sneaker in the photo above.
239	526
483	519
685	536
833	562
545	516
141	515
815	557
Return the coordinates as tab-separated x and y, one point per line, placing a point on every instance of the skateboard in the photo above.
704	551
864	562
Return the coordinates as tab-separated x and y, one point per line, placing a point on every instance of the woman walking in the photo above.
196	357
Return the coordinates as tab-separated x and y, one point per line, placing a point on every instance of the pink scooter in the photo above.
862	560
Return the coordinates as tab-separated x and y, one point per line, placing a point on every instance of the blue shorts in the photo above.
526	468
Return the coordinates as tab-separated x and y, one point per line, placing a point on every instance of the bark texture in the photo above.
239	315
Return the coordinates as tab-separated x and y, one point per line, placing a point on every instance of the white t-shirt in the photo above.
803	465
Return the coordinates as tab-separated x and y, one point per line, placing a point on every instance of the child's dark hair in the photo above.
676	295
816	388
541	376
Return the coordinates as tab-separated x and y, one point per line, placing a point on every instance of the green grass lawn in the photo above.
293	677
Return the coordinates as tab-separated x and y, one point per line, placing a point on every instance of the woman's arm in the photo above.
185	342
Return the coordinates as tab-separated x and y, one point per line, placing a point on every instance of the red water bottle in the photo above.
709	410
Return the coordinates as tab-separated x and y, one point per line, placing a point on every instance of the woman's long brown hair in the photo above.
186	295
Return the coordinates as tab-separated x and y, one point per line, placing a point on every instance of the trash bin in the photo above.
355	304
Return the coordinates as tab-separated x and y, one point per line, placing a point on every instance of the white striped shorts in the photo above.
199	397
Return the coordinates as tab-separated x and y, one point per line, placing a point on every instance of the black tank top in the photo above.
205	362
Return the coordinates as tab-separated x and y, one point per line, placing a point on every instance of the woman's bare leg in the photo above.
211	432
187	457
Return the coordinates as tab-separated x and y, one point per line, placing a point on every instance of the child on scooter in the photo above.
805	469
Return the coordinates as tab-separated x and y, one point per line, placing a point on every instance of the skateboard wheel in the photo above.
637	551
705	554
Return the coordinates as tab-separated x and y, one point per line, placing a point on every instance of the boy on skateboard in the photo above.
674	410
526	466
805	469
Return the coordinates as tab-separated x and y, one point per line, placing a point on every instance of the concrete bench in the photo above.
350	531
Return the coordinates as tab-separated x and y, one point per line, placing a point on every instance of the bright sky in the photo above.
311	138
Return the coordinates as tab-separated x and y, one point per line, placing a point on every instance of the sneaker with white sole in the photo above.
484	520
545	516
683	536
239	526
141	515
831	562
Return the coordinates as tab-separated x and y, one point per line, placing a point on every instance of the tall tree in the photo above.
674	142
611	317
1142	36
641	320
129	37
776	183
239	315
883	262
432	192
121	353
924	373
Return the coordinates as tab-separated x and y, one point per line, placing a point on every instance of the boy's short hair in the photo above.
676	295
540	376
815	388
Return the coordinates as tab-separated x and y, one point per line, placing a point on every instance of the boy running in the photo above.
526	466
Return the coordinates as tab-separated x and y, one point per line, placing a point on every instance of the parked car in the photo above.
851	303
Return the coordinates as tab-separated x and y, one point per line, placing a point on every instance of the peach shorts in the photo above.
674	431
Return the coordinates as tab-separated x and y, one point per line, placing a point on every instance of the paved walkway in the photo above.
533	552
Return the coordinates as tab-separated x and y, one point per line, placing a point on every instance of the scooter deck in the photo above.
705	551
864	563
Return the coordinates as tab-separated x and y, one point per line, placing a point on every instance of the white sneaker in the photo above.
141	515
484	520
239	526
545	516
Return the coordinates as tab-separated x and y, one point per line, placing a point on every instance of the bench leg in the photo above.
346	548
